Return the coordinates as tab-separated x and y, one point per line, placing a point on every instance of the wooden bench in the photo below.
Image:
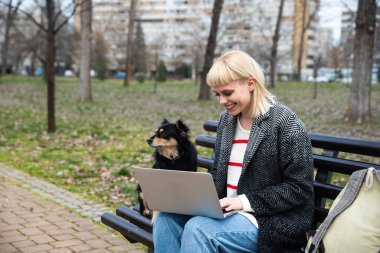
326	149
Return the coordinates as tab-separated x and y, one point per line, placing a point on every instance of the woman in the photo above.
263	168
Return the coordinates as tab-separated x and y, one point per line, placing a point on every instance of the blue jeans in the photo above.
182	233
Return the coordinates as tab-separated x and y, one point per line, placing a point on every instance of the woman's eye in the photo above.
227	94
216	94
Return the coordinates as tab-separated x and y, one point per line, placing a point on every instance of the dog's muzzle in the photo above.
149	140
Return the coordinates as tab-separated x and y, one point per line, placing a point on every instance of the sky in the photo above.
330	14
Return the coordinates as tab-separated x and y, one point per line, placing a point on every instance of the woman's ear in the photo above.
251	83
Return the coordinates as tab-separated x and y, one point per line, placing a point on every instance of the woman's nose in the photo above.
222	99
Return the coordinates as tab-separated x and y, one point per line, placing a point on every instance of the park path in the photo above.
36	216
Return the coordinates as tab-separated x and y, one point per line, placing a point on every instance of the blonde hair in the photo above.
236	65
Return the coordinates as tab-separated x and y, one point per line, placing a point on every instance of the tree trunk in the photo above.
49	66
85	93
359	102
276	38
204	92
302	41
4	48
128	64
10	16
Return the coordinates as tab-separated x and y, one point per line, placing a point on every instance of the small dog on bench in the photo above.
173	151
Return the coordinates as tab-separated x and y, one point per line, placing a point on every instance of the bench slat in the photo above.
341	165
344	144
134	217
128	230
329	142
210	125
326	190
204	162
205	141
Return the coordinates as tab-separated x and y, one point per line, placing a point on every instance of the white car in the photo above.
69	73
321	79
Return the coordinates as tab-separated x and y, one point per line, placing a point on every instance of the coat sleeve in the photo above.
296	168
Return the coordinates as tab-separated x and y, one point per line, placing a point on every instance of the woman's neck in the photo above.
245	122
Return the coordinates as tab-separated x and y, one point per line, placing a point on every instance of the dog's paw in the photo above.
153	216
147	213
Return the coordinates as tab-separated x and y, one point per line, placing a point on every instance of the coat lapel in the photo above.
259	129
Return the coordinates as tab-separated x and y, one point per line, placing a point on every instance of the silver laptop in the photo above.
182	192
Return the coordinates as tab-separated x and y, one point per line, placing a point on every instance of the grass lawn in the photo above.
97	143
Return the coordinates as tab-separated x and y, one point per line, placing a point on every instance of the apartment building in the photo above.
176	31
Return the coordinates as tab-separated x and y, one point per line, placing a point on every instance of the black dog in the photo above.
174	151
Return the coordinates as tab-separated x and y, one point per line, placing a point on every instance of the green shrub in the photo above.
161	72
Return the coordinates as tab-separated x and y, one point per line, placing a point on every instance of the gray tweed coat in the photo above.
277	176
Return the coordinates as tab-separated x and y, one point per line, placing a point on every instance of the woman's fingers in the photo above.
230	204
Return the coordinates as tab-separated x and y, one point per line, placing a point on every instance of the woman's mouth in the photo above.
229	107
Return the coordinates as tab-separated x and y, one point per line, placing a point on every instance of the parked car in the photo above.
69	73
319	79
322	79
39	72
119	75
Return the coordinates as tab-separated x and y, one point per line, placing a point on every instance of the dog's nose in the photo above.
149	141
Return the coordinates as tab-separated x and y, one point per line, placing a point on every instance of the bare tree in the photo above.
54	23
8	23
128	64
359	103
276	38
204	92
196	48
153	57
305	25
35	47
85	93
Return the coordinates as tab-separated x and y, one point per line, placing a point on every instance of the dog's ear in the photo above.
182	127
165	121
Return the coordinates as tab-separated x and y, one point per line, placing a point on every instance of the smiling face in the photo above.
236	96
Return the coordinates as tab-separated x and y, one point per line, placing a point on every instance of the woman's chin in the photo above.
232	113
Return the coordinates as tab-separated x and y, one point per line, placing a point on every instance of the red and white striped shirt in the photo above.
235	166
236	159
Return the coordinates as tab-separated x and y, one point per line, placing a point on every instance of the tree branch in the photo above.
59	27
348	8
312	15
30	16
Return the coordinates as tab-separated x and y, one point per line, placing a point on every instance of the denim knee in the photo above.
194	225
161	222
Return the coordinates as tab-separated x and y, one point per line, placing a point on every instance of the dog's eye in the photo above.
160	132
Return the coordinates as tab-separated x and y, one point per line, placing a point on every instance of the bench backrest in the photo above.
333	157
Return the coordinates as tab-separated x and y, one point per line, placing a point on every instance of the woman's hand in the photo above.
231	204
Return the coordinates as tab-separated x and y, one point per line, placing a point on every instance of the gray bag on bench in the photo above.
353	223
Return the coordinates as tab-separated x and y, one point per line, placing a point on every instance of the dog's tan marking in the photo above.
147	209
169	152
154	216
166	148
